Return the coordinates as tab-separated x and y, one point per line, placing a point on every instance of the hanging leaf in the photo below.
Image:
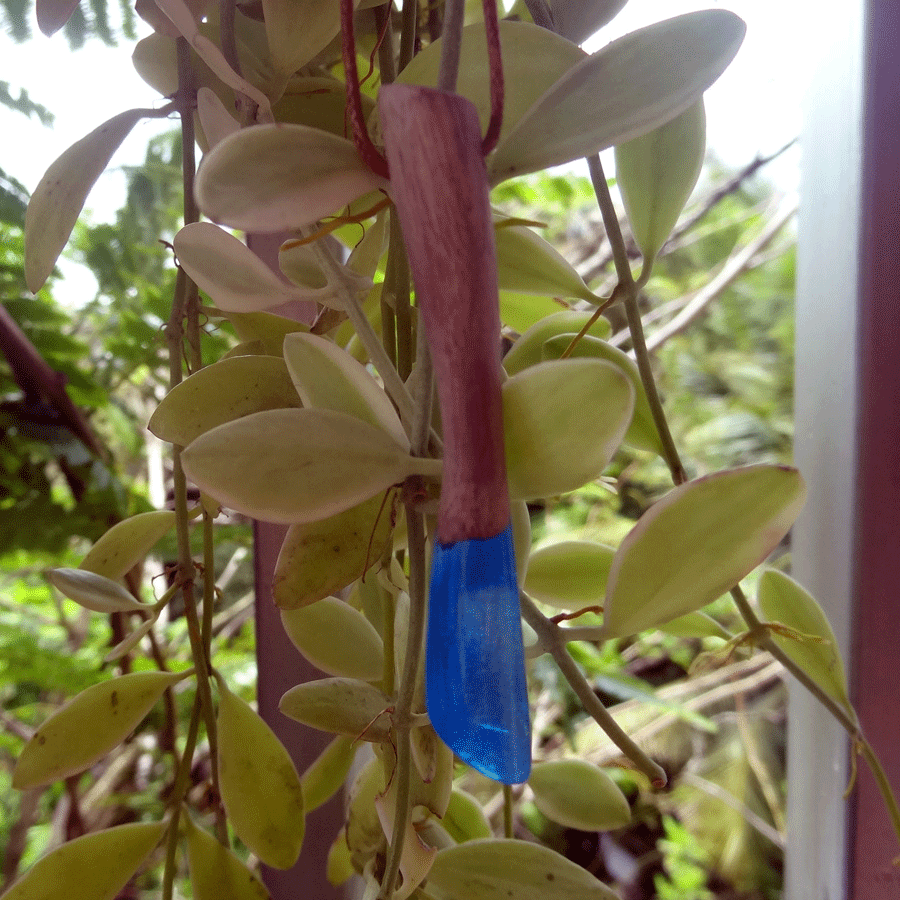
216	121
259	785
235	278
506	869
298	263
216	871
299	29
342	706
320	558
298	465
94	592
630	86
93	867
64	745
577	20
416	857
336	638
528	264
281	177
562	423
266	329
533	60
529	348
57	200
328	772
519	312
53	14
125	544
578	794
223	392
814	648
465	819
327	377
569	575
700	540
642	432
364	834
656	173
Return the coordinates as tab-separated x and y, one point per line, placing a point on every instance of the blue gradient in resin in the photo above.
475	666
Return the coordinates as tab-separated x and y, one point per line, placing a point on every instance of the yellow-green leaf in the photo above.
505	869
570	574
341	706
259	784
465	819
698	541
318	559
127	543
327	773
94	592
57	200
629	87
216	871
528	350
656	173
223	392
298	465
563	422
93	867
784	601
336	638
281	177
327	377
578	794
89	726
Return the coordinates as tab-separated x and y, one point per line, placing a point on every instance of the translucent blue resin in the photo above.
475	667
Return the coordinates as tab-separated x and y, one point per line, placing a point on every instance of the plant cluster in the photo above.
377	190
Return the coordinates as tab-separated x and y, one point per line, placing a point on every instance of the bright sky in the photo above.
754	108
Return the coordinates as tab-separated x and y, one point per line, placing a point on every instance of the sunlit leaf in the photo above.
562	422
700	540
570	574
506	869
319	558
578	794
75	868
281	177
529	348
533	60
327	377
577	20
220	393
630	86
656	173
57	200
814	647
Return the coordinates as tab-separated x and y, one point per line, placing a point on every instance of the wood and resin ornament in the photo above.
475	672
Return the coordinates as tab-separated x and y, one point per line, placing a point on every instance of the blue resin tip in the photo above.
475	666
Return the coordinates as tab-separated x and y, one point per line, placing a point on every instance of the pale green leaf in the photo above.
506	869
533	60
529	348
563	421
127	543
578	794
298	465
223	392
630	86
235	278
813	647
697	542
95	592
74	869
465	819
327	377
340	705
569	575
577	20
327	773
298	29
57	200
656	173
281	177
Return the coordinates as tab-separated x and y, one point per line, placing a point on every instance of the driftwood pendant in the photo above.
475	673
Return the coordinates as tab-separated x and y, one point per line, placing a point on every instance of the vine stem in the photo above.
630	289
757	628
549	635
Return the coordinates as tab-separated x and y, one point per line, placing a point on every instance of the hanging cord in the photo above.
364	146
495	63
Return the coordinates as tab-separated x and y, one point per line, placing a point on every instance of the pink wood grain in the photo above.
440	189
